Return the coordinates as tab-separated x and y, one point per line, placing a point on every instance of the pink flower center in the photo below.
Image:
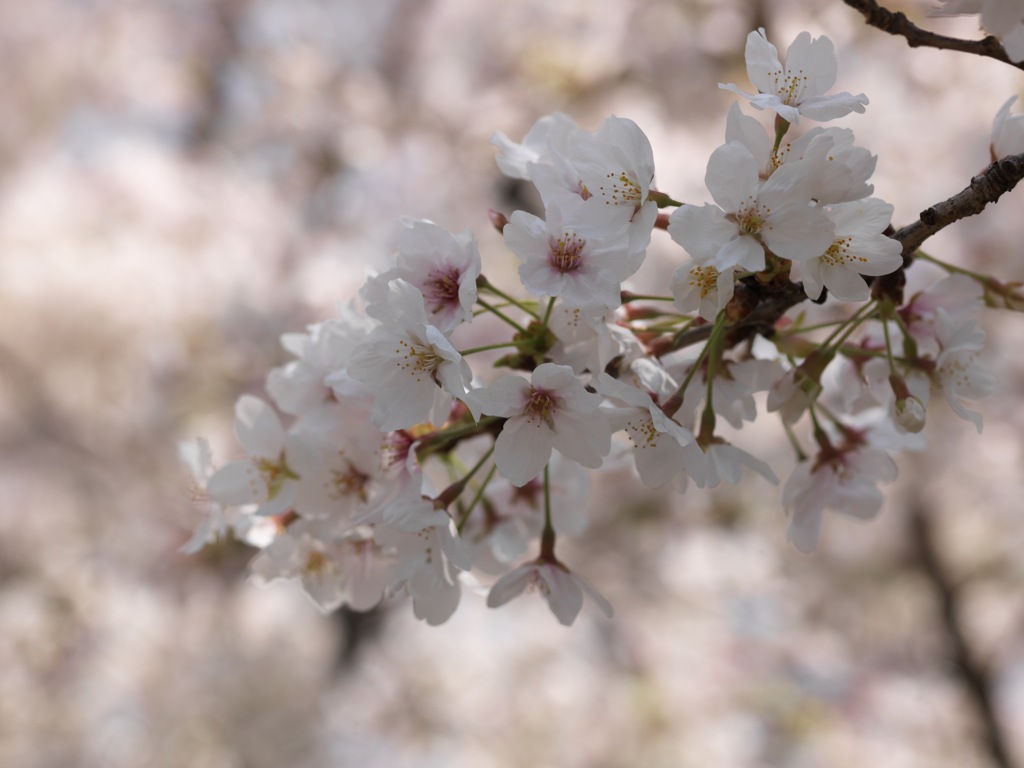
441	288
567	252
539	407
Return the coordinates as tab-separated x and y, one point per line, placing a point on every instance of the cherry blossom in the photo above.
561	589
750	215
1007	132
411	365
859	249
662	447
562	258
442	266
702	289
798	87
552	411
276	461
843	478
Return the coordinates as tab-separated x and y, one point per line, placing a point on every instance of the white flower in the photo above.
276	461
841	478
410	365
333	569
603	176
798	87
662	447
428	562
750	215
549	137
1002	18
725	462
561	258
833	169
301	387
703	289
552	411
859	248
442	266
957	372
1007	132
214	525
560	588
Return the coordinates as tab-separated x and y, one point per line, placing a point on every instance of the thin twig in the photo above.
970	672
896	23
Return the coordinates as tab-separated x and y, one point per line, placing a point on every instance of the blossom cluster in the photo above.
388	463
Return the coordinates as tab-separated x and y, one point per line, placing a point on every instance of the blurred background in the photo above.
181	181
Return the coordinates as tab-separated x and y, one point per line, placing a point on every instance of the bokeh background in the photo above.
181	181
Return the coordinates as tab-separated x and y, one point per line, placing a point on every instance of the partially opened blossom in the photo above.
561	589
797	87
1003	19
548	138
198	459
1007	132
552	411
275	463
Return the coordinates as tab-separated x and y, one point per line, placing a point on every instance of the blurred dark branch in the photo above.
971	673
895	23
223	49
985	188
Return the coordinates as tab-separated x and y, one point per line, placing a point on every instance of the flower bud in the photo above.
910	414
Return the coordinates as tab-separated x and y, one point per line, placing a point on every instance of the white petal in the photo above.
258	428
238	482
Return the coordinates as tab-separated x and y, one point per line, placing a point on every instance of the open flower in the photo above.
442	266
750	215
410	364
584	267
798	87
859	248
551	411
276	461
561	589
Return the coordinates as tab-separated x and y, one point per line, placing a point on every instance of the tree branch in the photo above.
985	188
898	24
970	671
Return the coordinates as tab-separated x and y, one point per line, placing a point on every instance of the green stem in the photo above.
486	347
843	332
494	310
547	315
476	499
673	403
628	297
489	286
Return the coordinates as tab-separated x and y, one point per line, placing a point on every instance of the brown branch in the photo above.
896	23
985	188
971	673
